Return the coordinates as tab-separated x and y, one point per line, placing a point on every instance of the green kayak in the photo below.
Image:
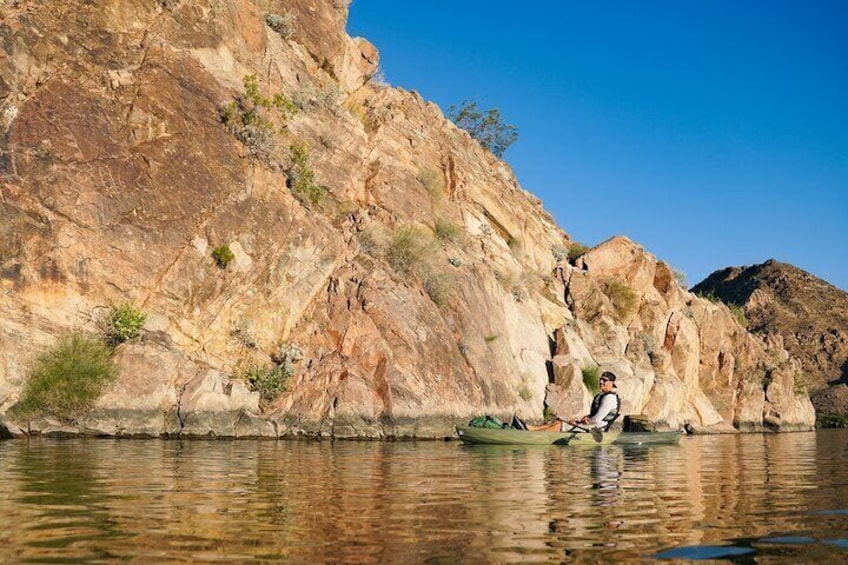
510	436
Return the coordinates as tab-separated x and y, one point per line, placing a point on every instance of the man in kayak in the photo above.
604	410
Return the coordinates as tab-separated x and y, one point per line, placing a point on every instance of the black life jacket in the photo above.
596	405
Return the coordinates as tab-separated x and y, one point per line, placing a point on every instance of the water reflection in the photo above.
780	496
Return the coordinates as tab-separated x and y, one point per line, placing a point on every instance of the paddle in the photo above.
596	433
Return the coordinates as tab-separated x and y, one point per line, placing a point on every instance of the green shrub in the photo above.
301	177
486	126
491	337
269	382
251	118
623	297
125	323
591	376
223	256
576	251
67	380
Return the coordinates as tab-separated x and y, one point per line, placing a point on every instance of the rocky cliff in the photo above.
417	282
808	315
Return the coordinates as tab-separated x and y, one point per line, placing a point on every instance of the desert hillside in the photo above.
312	252
809	315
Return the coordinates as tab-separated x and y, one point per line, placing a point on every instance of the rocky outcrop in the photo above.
805	314
417	278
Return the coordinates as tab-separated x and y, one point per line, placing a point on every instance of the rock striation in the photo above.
419	282
808	316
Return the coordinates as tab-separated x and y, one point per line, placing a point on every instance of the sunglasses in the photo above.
603	380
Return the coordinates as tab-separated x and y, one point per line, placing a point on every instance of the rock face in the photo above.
420	282
807	315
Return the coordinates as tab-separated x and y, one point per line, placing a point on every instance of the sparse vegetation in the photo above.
408	249
284	24
251	118
799	384
272	381
434	183
681	278
739	314
361	113
559	252
576	251
66	380
831	420
223	256
490	338
301	177
623	298
269	382
708	296
447	231
486	126
525	393
439	286
378	78
124	323
591	376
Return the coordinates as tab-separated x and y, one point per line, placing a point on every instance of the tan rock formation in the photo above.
422	289
791	308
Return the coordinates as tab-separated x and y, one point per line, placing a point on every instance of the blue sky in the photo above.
712	133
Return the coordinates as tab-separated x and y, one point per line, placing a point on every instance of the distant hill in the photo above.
810	315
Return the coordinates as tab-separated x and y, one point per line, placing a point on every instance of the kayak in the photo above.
511	436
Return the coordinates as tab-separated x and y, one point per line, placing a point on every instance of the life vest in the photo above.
596	405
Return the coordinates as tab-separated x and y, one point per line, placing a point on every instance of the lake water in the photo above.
768	498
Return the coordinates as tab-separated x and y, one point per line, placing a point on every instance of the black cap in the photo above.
610	376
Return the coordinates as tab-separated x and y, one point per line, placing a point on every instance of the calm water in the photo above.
771	498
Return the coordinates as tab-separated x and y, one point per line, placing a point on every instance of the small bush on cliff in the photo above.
124	323
576	251
67	380
223	256
301	177
269	382
447	231
623	298
559	252
434	183
409	248
486	126
681	278
251	118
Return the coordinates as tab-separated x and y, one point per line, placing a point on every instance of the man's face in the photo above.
605	383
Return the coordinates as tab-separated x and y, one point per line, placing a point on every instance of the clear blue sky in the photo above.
714	133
